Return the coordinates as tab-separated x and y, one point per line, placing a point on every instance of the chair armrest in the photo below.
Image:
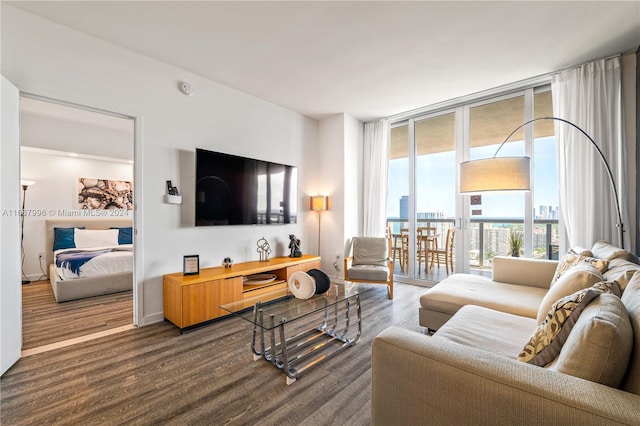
524	271
419	379
347	264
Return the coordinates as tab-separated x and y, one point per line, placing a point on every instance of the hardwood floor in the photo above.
46	321
154	375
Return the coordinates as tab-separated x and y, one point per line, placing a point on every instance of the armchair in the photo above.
370	262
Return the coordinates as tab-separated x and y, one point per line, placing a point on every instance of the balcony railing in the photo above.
489	237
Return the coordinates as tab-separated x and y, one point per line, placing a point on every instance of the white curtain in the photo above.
590	97
376	166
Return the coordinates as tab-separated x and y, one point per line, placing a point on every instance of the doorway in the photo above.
67	152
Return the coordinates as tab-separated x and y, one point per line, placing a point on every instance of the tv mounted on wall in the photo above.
233	190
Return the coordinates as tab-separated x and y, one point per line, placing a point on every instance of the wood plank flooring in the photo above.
153	375
45	321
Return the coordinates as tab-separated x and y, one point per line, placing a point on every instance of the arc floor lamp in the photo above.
514	173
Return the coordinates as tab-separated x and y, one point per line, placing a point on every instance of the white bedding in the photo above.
120	259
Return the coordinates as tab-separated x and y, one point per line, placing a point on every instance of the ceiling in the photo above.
365	59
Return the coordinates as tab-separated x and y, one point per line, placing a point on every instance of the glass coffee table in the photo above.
274	314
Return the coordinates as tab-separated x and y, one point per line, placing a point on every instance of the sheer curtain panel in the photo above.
590	97
376	166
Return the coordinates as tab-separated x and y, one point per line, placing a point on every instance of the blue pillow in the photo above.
63	238
125	235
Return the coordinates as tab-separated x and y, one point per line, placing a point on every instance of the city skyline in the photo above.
436	191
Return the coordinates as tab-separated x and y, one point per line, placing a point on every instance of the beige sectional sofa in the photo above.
468	371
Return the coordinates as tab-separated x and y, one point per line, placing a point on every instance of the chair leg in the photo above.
390	290
449	262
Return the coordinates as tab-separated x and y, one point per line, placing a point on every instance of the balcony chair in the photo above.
427	242
401	248
445	254
370	262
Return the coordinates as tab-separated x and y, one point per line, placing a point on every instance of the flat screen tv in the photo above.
232	190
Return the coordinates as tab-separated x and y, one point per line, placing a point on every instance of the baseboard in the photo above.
151	319
36	277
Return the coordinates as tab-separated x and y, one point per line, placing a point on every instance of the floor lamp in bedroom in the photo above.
25	185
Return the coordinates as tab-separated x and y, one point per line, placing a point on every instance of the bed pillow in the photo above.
63	238
125	234
96	238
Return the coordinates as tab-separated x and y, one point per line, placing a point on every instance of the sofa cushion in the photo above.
605	250
631	300
465	289
621	270
369	272
370	251
551	334
523	271
571	260
599	346
487	329
575	279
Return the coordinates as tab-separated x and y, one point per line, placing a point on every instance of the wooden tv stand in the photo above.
194	299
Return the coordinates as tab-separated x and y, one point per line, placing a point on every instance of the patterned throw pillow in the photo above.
548	338
572	259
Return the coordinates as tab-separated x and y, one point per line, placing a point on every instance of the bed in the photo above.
72	283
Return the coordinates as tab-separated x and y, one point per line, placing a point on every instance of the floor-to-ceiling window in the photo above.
398	195
435	186
496	218
426	149
545	181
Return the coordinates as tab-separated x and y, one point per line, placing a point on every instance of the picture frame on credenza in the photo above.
191	264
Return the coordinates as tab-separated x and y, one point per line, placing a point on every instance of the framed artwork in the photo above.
191	265
104	194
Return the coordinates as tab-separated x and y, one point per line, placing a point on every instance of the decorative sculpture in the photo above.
294	246
227	262
264	249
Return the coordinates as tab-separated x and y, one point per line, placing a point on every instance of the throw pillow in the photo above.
622	271
571	259
600	345
548	338
63	238
605	250
577	278
125	234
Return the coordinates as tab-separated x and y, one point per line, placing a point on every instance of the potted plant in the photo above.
516	241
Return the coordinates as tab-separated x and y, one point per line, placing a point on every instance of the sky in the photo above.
436	189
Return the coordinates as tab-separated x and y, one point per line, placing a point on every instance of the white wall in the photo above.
354	157
10	284
341	158
331	175
47	59
56	193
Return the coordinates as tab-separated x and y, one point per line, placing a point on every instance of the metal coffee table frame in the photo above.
296	354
